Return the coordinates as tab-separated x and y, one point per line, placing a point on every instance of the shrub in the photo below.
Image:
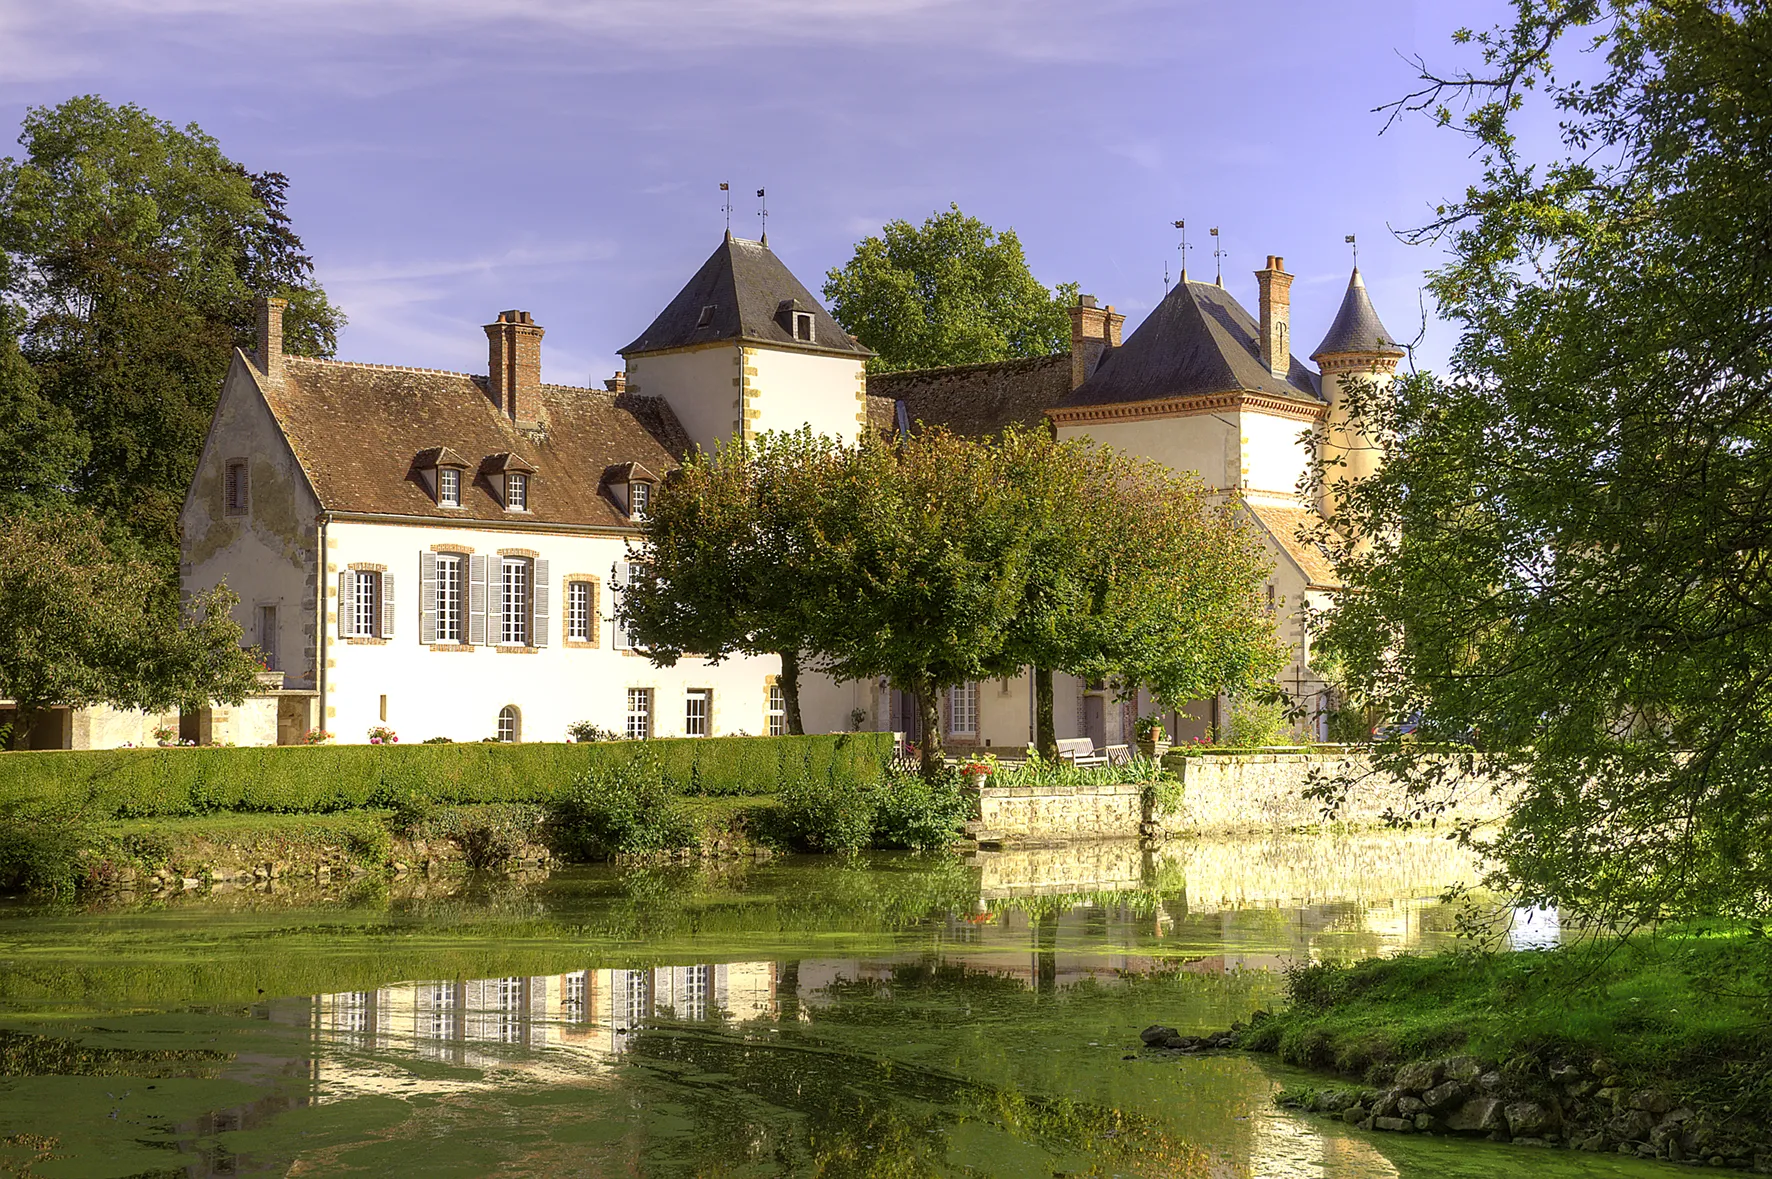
1258	724
826	815
40	853
150	783
491	837
438	741
621	810
589	733
918	813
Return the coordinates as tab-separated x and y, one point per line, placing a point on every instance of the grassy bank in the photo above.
1631	1044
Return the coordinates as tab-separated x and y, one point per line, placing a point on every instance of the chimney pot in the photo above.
513	366
618	383
270	338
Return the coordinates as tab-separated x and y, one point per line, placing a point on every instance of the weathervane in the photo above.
764	213
1349	239
1182	225
1217	254
727	189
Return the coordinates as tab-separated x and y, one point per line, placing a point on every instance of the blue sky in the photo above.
449	159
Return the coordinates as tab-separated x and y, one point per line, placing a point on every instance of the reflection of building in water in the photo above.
554	1025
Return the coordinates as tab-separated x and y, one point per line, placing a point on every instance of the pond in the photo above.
883	1016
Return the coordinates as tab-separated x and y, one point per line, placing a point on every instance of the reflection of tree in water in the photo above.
811	1109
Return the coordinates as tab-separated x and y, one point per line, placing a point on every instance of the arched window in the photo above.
510	724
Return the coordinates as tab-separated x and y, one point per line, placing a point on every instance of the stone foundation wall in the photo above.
1061	812
1221	794
1237	792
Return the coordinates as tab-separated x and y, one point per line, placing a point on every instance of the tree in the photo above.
134	250
40	447
1142	579
84	621
954	291
1566	556
730	561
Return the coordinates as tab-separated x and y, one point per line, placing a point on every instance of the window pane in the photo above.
507	723
449	599
963	709
697	705
578	611
639	497
639	713
514	611
365	609
449	486
516	491
777	711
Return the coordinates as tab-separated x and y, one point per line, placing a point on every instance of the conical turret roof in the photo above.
1357	327
740	293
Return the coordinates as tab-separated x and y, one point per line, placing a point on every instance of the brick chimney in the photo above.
618	383
1093	331
270	338
1276	316
513	366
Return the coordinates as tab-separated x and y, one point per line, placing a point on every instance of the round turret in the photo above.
1356	348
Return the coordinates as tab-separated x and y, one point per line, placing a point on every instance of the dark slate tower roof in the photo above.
738	294
1356	327
1197	341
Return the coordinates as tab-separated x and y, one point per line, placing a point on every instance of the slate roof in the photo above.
1357	327
745	284
361	433
1284	525
1197	341
976	400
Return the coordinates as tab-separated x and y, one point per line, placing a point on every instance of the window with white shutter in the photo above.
514	602
538	604
448	601
427	598
385	591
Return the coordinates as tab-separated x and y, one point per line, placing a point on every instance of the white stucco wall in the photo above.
265	556
701	384
1275	456
790	389
457	693
1209	444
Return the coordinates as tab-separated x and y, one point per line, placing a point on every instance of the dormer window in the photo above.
639	498
796	318
707	316
449	487
509	477
516	491
803	326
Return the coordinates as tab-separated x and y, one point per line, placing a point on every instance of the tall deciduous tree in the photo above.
731	561
951	291
40	446
134	250
1568	547
85	622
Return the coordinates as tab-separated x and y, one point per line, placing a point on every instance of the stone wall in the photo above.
1236	792
1061	812
1221	794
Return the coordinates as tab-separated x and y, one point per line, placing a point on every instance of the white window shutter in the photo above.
623	642
538	604
387	605
347	603
477	599
427	598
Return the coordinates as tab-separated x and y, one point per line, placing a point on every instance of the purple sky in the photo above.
449	159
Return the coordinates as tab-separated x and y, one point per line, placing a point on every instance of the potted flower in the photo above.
977	771
165	735
317	737
1153	738
382	735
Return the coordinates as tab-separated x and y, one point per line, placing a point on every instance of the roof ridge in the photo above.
975	366
393	368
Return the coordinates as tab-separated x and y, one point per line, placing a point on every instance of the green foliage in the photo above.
953	291
1257	723
1567	558
84	622
901	810
1037	771
141	783
621	810
40	851
732	561
490	836
586	732
134	250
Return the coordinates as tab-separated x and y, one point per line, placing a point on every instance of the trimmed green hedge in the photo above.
146	783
